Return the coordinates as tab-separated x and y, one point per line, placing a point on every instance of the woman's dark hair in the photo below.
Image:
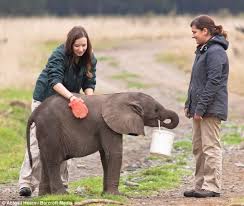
207	22
75	33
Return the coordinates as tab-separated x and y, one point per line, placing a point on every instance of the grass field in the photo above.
13	117
30	41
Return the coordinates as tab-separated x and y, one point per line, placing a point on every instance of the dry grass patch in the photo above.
22	58
179	59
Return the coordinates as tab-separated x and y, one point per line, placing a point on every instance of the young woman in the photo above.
207	104
70	68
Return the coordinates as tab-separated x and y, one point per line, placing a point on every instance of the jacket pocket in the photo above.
195	95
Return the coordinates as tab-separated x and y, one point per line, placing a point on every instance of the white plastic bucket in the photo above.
162	142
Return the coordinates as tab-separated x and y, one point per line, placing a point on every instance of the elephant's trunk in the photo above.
174	120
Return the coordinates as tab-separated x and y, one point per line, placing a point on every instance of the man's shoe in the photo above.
189	193
25	191
206	193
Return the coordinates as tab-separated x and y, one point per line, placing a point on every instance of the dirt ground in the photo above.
167	85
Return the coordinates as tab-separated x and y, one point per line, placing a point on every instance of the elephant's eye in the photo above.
156	110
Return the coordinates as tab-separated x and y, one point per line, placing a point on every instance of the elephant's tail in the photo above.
29	123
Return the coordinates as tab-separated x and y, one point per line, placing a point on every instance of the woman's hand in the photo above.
78	107
73	97
89	91
197	117
60	88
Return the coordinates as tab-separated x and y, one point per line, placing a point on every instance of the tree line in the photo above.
116	7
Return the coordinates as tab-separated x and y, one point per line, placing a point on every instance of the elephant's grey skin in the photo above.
61	136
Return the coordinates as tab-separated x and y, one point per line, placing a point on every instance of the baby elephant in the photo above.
61	136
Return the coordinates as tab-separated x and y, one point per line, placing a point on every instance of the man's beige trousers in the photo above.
30	177
208	154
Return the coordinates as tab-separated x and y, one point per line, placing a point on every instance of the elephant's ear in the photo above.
123	114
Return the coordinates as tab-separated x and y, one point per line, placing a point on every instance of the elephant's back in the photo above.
55	103
52	108
58	106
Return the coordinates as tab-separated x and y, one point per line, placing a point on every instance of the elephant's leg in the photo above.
44	187
105	168
56	184
52	154
51	178
112	162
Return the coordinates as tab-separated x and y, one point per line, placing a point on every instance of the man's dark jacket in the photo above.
207	93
